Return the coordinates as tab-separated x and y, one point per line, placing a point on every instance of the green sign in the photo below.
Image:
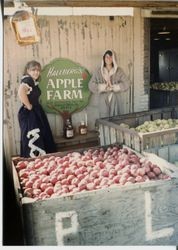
64	87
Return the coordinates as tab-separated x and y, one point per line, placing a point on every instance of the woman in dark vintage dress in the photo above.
36	135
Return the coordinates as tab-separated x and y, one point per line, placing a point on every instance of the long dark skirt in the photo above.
36	135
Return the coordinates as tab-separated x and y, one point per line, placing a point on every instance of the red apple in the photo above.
21	165
49	190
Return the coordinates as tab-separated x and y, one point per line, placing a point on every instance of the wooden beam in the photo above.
8	3
94	3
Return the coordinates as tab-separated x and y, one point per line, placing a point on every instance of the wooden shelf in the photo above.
78	141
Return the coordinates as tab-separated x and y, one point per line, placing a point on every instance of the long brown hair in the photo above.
32	64
110	53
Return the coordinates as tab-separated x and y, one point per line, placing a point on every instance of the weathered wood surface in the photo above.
138	214
78	141
169	153
108	127
99	3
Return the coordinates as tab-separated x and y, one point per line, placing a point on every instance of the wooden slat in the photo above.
99	3
101	135
169	153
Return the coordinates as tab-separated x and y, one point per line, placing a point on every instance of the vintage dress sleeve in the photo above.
120	81
97	83
28	80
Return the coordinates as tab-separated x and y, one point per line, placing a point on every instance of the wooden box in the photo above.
168	153
110	130
138	214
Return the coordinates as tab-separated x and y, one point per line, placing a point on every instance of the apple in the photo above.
68	171
37	184
36	192
94	174
104	181
64	182
81	177
29	184
53	179
90	186
112	171
65	164
49	190
100	164
45	179
23	173
70	178
75	181
21	165
116	178
28	192
43	186
78	171
60	177
104	173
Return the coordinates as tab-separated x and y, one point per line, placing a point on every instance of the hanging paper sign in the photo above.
64	86
25	27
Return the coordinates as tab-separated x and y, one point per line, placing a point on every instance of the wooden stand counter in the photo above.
78	141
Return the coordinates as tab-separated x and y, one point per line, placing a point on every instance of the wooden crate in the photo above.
138	214
110	130
169	153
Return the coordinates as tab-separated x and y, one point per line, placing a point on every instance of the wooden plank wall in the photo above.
82	39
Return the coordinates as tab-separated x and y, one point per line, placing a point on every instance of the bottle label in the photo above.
83	131
69	133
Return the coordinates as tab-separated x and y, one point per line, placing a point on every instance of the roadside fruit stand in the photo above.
123	192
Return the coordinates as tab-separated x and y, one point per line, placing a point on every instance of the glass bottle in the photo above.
82	128
68	129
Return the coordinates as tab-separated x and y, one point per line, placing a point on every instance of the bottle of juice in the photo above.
68	129
82	128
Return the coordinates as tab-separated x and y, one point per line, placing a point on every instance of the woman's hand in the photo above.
116	88
102	87
109	86
29	106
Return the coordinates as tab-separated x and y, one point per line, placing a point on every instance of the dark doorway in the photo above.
163	62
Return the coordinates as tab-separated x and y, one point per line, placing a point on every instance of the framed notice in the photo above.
25	27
